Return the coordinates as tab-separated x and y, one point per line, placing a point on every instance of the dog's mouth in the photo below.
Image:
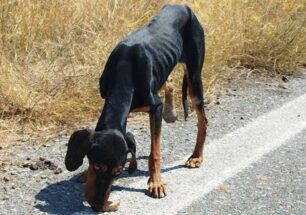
98	196
106	206
97	192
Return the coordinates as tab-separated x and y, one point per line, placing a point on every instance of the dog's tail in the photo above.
184	96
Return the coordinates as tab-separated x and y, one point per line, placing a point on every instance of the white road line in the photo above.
224	159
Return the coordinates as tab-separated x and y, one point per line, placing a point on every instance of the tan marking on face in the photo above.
90	185
83	176
111	206
108	193
116	170
90	190
100	167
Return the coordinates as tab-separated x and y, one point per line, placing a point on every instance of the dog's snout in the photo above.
96	206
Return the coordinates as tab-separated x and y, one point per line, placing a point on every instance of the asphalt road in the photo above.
273	183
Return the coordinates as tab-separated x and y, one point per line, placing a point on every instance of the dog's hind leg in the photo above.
169	113
194	52
184	94
197	157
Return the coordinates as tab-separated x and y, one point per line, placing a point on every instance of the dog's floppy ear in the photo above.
78	146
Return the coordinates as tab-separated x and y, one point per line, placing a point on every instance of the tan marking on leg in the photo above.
196	159
157	188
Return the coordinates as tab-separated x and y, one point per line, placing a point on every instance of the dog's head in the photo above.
107	152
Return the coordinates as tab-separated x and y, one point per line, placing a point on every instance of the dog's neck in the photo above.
116	110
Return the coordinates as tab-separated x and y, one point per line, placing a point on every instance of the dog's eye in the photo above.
100	167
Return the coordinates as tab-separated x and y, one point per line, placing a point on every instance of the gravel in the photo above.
31	185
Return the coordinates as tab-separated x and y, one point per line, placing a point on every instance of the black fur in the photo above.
184	96
78	146
141	64
132	77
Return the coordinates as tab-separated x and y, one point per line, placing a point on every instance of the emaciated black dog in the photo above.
135	72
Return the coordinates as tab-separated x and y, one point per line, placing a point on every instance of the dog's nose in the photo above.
96	206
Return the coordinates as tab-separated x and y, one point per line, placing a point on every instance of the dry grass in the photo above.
52	52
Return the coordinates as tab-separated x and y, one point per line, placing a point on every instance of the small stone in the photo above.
42	158
43	176
47	163
58	171
6	179
41	165
224	189
33	167
285	79
52	166
25	164
283	85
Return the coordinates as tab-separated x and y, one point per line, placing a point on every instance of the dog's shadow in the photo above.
67	197
64	197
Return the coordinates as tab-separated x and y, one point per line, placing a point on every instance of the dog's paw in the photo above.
194	162
157	189
111	206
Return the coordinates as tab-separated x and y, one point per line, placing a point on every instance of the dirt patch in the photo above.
41	164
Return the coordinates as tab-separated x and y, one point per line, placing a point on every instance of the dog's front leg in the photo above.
157	188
